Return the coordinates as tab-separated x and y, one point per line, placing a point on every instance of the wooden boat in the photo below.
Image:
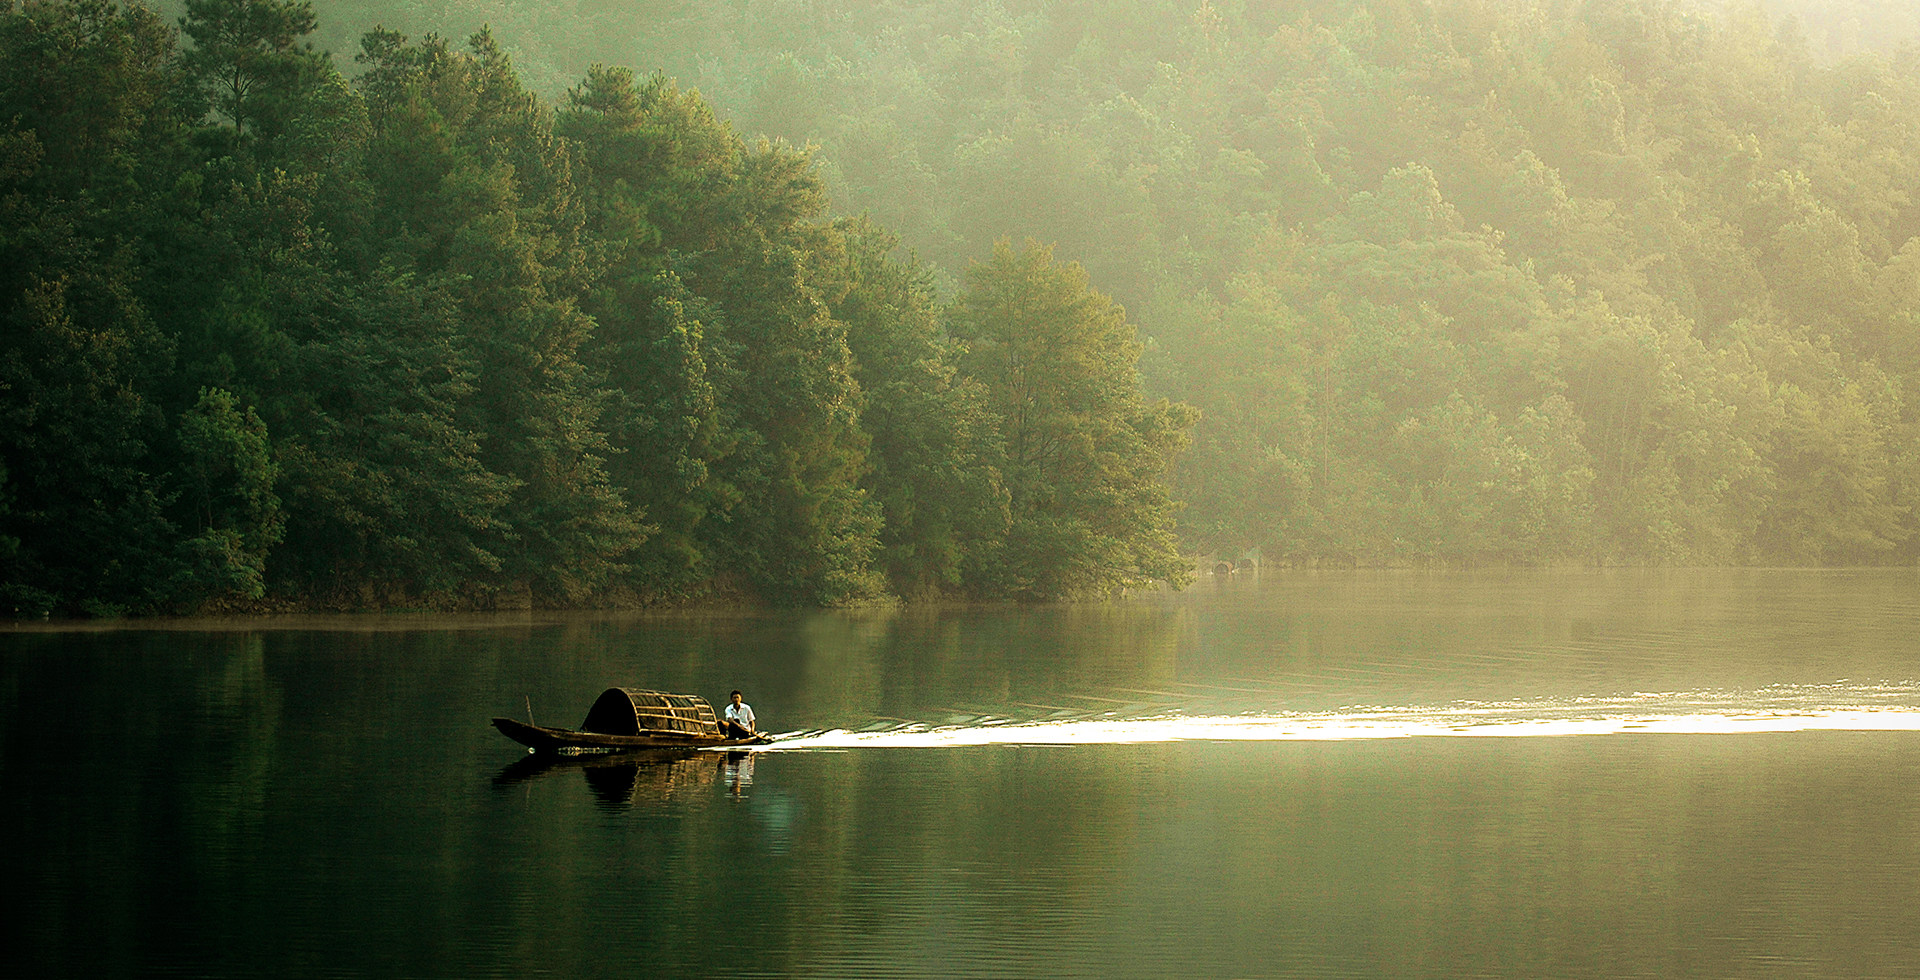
625	719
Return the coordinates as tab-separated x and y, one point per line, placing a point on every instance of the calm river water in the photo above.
1662	774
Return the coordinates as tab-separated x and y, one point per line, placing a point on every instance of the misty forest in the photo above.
485	303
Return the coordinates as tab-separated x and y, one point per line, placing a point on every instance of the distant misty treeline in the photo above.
1840	28
421	338
1450	281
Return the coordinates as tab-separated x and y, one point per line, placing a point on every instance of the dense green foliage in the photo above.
272	335
1450	280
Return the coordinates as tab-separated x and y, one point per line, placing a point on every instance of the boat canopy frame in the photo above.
632	711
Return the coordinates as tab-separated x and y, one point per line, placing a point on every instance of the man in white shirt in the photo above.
737	721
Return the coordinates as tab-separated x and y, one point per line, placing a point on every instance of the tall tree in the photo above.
1082	449
475	191
226	484
659	347
87	124
685	204
933	458
249	61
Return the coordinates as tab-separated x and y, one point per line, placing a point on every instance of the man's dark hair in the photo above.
731	694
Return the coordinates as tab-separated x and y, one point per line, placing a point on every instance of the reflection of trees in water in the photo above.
241	711
142	764
947	665
953	665
1009	835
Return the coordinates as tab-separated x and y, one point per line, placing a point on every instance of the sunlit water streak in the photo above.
1799	708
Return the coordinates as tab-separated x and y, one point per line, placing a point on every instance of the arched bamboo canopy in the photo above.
629	711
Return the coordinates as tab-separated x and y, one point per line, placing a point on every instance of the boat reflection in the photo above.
622	780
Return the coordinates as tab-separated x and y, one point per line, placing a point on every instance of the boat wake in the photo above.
1836	707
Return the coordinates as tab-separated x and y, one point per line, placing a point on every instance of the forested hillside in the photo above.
1448	281
421	338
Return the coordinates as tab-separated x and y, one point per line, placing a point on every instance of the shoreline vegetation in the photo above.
928	301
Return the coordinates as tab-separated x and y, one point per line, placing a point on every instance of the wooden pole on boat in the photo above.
529	710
